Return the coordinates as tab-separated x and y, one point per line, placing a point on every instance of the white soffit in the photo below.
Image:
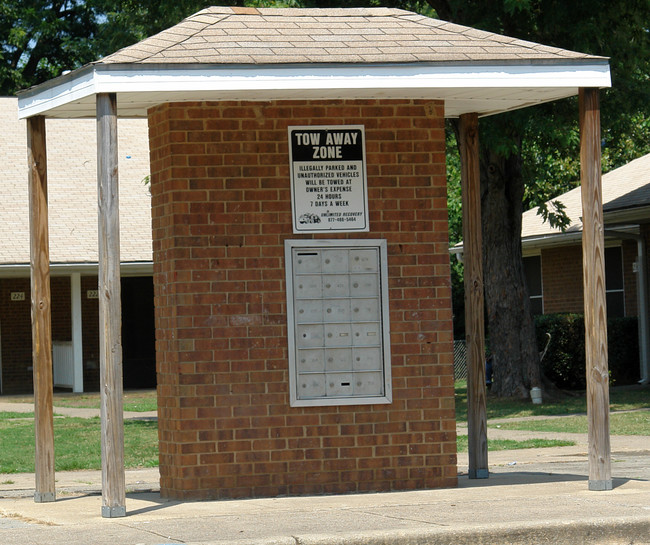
484	88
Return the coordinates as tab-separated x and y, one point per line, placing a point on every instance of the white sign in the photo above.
329	189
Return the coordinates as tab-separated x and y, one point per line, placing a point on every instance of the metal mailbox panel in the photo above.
367	359
309	336
336	285
364	285
307	262
337	335
338	359
309	311
336	310
364	261
338	322
309	286
310	361
366	334
335	261
312	385
365	310
368	383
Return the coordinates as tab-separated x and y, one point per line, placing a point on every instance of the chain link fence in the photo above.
460	360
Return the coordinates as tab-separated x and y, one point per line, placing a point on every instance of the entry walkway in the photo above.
532	496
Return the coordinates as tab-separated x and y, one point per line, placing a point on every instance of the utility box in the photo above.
337	300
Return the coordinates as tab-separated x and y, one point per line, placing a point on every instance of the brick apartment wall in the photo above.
221	213
562	280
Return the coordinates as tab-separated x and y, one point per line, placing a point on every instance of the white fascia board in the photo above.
20	270
357	80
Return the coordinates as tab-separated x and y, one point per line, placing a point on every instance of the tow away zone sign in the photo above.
329	189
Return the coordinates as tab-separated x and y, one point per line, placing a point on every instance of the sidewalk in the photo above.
536	496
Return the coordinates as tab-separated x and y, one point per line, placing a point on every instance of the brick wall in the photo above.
562	279
221	213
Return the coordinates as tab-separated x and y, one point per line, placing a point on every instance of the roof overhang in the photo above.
22	270
485	89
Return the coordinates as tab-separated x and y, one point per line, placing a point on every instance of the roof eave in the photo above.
510	84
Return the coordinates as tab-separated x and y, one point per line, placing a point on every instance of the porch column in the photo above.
473	277
41	310
110	311
77	333
593	260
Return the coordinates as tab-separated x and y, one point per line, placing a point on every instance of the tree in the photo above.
531	155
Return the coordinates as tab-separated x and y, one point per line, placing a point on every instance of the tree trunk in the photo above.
511	330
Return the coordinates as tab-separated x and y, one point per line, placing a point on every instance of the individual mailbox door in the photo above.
338	321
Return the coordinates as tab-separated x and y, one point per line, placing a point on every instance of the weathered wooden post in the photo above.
593	262
41	310
110	311
473	277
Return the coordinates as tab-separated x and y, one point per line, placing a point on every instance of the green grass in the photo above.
620	399
77	444
135	401
633	423
510	444
10	416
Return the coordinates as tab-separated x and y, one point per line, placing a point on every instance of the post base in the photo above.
44	497
113	512
478	473
600	485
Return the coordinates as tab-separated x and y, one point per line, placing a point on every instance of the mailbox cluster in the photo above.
339	323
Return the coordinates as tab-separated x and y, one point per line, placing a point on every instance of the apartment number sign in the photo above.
329	188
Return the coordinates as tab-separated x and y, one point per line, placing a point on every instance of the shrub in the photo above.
564	362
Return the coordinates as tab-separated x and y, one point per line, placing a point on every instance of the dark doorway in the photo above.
138	333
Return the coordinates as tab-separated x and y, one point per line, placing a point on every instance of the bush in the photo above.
564	362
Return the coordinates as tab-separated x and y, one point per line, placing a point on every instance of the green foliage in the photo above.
564	362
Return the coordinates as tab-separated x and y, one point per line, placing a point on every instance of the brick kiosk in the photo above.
221	213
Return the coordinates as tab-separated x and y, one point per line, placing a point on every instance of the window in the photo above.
614	287
337	300
533	274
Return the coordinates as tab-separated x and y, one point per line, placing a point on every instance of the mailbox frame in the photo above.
325	325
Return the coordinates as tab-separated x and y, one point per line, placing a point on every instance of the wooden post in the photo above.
110	311
473	277
41	310
593	263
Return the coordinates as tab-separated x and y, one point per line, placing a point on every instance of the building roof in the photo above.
72	190
626	198
225	53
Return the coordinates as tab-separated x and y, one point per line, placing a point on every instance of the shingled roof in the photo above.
278	36
72	191
223	53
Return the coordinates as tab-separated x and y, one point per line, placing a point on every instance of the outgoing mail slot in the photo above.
365	310
340	384
337	335
336	310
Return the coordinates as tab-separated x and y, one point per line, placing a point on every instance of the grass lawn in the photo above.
621	399
134	400
510	444
77	443
633	423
